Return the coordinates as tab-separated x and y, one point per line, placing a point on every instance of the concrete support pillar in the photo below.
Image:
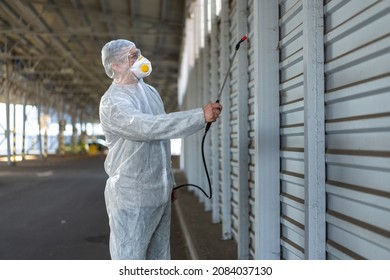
14	134
8	115
24	126
75	132
61	127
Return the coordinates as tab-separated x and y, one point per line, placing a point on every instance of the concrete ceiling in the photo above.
57	44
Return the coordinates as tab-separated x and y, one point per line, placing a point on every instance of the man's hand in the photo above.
211	112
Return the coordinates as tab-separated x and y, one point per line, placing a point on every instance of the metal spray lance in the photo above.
226	76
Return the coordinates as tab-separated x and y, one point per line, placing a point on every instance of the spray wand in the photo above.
227	74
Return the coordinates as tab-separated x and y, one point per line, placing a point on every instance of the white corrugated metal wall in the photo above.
292	193
357	71
300	156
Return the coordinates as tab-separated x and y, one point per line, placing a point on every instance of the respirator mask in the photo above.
141	68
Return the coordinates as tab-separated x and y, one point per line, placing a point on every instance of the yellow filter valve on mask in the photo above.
144	68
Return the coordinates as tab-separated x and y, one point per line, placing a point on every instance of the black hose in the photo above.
207	174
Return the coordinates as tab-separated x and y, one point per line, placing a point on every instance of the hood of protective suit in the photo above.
116	53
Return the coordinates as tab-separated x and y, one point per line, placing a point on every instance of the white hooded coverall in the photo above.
138	190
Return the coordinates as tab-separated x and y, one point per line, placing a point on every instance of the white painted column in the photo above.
225	125
24	126
313	56
206	98
8	118
214	130
39	89
267	182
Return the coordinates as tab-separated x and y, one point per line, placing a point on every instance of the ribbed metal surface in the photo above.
357	130
291	129
216	132
224	55
233	94
357	70
251	132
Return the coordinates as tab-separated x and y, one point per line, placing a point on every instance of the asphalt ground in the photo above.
54	209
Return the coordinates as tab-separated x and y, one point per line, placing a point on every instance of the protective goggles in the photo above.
135	54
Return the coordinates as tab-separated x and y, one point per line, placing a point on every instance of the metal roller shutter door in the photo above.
239	128
291	129
357	70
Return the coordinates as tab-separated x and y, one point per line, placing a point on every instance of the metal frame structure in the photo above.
50	50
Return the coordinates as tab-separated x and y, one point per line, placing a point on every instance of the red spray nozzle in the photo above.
243	38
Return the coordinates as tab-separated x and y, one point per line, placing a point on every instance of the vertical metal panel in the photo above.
207	96
233	120
357	70
251	128
291	129
226	182
266	138
221	164
216	128
313	59
242	132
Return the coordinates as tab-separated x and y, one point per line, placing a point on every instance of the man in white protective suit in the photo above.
139	190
